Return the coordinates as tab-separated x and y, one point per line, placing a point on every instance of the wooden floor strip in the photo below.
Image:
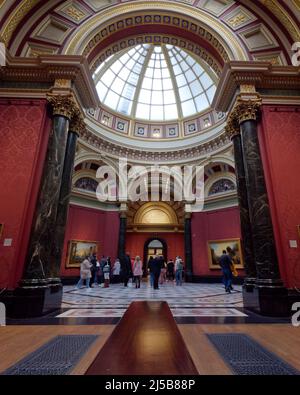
147	341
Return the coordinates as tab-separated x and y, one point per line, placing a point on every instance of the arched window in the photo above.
221	186
87	184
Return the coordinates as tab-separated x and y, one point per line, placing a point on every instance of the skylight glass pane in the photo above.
169	97
108	78
198	69
124	106
145	96
206	81
201	103
116	67
196	88
181	81
157	85
102	90
124	73
171	112
147	83
167	84
211	93
118	85
143	111
128	91
188	108
157	97
157	113
190	76
185	93
112	100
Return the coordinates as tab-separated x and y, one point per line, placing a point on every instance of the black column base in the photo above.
267	297
34	298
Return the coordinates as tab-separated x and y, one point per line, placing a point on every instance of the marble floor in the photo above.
188	300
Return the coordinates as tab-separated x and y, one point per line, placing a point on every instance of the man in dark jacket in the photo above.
126	269
225	263
156	268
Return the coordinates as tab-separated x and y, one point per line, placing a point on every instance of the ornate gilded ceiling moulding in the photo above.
64	105
195	20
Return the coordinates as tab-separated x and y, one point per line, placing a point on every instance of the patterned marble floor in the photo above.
189	300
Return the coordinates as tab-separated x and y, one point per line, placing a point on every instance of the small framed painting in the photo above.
231	246
78	250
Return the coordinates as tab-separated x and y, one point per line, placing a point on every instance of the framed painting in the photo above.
78	250
1	229
233	248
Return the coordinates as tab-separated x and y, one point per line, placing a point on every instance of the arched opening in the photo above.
154	246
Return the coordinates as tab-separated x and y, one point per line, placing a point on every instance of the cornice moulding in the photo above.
259	74
50	68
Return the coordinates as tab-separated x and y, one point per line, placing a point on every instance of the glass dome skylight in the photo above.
155	83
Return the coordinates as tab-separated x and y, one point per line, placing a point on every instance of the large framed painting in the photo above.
233	248
78	250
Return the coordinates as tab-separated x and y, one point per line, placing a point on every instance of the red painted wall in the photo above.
135	243
91	225
24	134
279	136
212	225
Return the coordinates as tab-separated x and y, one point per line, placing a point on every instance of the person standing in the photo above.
225	263
150	267
94	270
178	270
85	273
162	277
102	264
137	271
106	273
116	271
126	269
156	265
170	270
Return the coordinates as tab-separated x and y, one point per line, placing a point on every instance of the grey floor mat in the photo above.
247	357
57	357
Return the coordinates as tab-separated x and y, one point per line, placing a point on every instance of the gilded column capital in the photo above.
77	124
247	109
232	127
64	105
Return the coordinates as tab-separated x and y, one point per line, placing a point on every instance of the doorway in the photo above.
152	247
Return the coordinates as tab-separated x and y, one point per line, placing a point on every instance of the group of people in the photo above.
102	272
161	272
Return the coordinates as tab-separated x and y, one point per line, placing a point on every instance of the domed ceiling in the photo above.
156	64
155	83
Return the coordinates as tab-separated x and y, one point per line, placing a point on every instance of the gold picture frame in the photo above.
215	248
78	250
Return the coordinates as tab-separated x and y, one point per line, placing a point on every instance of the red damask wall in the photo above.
212	225
280	148
135	243
24	134
91	225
